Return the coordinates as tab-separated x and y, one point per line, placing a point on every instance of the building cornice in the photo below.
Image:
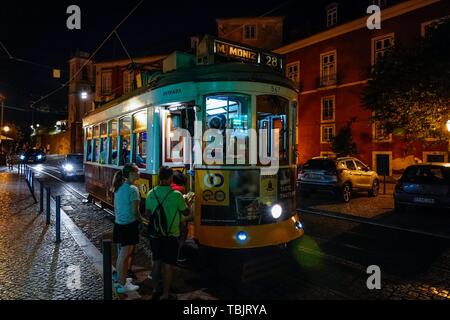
357	24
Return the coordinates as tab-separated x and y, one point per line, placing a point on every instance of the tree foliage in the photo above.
342	143
409	92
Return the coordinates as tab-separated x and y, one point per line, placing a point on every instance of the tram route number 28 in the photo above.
272	61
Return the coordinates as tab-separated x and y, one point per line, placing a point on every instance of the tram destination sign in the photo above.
251	55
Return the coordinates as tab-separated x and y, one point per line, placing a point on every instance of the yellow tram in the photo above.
244	184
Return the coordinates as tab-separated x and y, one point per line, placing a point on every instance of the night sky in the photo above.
36	31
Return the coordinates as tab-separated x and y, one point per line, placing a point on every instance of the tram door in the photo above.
178	132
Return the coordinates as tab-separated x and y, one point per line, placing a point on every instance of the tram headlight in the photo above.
242	236
68	167
276	211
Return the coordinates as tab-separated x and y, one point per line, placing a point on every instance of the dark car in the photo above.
423	185
32	155
72	166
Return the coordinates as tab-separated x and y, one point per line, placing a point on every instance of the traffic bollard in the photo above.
58	219
47	190
41	196
107	269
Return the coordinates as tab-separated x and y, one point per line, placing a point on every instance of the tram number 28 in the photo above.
272	61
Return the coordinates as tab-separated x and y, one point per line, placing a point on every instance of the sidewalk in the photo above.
32	265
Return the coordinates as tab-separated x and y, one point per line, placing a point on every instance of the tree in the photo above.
409	93
342	144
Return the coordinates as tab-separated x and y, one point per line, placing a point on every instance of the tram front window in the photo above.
229	113
272	115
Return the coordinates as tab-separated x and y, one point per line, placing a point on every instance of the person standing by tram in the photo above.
126	226
165	208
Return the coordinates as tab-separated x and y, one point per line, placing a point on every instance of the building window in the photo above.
328	113
107	83
293	71
426	27
250	32
380	3
127	82
332	16
379	133
380	46
326	133
434	156
328	68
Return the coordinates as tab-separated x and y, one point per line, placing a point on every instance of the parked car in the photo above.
32	155
72	166
423	185
341	176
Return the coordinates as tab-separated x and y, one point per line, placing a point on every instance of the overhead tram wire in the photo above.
90	58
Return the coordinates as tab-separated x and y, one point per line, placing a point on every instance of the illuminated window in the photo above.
125	132
250	32
140	136
380	46
328	68
328	113
293	71
106	84
326	133
114	142
96	137
89	144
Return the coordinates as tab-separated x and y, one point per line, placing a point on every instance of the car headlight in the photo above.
276	211
22	157
39	157
68	167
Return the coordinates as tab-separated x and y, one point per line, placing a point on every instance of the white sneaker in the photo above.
129	287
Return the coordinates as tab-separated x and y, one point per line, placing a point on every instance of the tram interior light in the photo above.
276	211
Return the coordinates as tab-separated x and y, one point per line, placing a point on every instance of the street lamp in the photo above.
6	129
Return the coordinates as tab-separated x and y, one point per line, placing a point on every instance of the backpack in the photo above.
157	224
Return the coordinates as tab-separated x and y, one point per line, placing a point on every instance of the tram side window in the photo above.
125	131
103	143
272	114
89	144
113	137
95	153
140	134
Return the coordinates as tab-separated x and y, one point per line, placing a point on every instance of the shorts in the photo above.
126	234
165	249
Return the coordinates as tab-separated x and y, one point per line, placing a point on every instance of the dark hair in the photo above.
179	178
165	173
121	175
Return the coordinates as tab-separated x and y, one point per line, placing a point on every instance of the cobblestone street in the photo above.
32	265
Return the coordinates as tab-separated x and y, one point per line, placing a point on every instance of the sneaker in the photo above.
127	288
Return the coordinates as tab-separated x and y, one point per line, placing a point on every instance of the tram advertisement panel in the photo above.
214	187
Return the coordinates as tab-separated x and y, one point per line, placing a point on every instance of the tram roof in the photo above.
231	71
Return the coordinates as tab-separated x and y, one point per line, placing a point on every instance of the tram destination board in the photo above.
251	55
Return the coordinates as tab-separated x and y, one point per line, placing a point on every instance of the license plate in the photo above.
424	200
314	176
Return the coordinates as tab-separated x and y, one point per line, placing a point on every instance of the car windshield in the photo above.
427	174
319	164
75	158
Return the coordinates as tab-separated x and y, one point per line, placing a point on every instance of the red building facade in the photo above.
333	67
